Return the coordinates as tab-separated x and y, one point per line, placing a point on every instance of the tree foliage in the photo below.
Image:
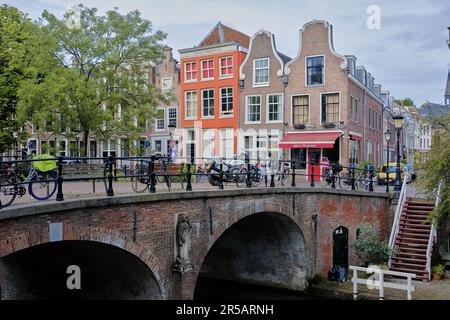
437	169
405	102
95	78
17	41
369	247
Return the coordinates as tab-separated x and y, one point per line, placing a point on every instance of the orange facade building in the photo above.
209	89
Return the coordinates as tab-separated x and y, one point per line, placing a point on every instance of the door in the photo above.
92	149
340	247
314	155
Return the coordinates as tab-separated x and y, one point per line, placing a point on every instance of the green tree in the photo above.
17	40
437	169
99	85
405	102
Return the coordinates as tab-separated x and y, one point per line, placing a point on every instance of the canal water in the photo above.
215	289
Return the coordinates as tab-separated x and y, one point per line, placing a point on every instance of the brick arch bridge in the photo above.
277	237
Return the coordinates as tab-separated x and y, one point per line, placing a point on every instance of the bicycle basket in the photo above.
44	165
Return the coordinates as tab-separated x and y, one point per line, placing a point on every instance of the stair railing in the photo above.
432	238
398	213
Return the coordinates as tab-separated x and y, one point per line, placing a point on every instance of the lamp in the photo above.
398	122
387	136
285	80
241	84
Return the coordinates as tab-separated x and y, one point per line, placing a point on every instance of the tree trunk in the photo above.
86	140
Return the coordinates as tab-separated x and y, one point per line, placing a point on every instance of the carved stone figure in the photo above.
183	240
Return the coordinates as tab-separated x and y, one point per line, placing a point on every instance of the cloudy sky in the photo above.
407	55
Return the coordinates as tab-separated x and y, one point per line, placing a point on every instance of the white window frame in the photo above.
169	118
162	84
208	141
281	109
214	103
292	107
194	116
222	76
201	70
159	119
226	114
306	71
246	108
226	135
261	84
185	73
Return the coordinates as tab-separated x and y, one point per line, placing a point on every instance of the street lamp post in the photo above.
171	141
387	136
398	121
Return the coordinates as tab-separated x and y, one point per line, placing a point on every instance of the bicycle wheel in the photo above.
285	177
361	182
8	190
241	177
256	177
43	185
345	181
139	184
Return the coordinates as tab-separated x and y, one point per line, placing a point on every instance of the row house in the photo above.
333	107
209	91
262	98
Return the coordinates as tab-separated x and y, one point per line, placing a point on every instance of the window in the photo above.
109	148
172	117
274	107
253	109
300	110
272	146
314	70
208	103
226	143
191	104
190	143
158	146
208	143
166	84
299	156
353	108
261	72
248	145
330	108
353	151
226	67
160	123
207	69
190	71
226	100
62	148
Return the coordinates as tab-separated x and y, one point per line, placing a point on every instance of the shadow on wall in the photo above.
265	249
106	272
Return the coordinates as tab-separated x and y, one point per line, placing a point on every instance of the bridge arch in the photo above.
20	247
263	248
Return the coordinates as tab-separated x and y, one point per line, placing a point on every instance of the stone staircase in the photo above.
412	239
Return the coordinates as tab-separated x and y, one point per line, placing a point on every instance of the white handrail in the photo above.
398	212
381	282
432	238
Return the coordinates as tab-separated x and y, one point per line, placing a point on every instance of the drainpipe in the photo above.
285	80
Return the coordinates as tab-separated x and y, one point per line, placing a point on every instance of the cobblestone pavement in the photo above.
77	189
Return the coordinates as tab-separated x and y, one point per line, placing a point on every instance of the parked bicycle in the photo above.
230	173
283	171
40	177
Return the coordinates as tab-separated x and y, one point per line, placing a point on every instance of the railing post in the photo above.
293	174
352	172
371	179
272	180
409	295
189	185
151	167
381	285
333	177
110	191
247	179
312	174
221	175
355	284
59	195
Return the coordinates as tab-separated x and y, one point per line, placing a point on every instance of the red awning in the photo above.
323	139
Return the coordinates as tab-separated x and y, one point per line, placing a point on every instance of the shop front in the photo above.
312	147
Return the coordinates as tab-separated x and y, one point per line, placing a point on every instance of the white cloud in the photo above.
408	55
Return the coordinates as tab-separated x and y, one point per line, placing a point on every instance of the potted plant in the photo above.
438	272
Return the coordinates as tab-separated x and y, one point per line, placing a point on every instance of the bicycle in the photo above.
41	180
283	171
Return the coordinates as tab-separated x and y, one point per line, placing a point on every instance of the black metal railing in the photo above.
146	172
